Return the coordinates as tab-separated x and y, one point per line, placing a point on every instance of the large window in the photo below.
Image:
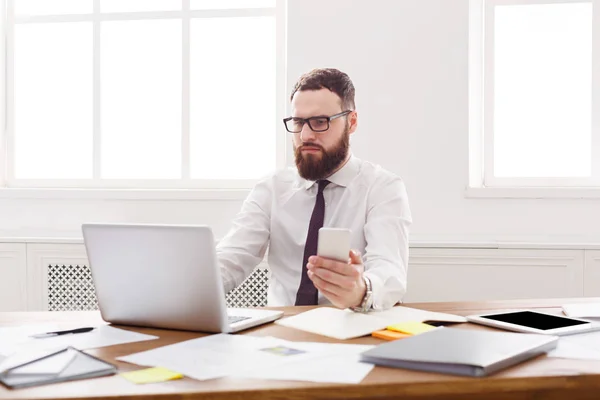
537	104
142	93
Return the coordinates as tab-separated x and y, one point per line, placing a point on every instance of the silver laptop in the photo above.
163	276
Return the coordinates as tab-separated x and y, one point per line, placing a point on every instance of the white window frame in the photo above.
481	106
132	188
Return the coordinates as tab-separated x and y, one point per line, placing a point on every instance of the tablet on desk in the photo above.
528	321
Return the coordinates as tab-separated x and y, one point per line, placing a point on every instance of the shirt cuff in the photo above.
385	296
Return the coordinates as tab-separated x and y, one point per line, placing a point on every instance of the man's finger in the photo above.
343	281
335	299
323	285
339	267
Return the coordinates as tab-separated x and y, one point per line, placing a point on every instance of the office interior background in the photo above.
167	111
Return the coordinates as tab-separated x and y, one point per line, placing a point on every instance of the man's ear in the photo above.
352	121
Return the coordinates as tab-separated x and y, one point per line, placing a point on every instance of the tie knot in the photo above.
322	184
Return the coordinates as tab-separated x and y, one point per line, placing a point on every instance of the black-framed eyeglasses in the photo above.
316	124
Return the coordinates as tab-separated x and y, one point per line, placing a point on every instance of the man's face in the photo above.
319	154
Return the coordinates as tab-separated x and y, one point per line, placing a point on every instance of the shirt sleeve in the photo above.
386	234
244	246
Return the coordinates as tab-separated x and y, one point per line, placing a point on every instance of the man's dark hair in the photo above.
328	78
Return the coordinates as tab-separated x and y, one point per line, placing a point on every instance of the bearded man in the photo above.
329	187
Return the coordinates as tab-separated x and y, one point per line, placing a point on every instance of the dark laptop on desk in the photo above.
163	276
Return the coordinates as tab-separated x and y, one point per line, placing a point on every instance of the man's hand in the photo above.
341	283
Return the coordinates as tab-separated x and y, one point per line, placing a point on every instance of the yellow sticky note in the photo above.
151	375
411	328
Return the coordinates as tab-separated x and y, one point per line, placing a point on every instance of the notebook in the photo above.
346	324
64	365
460	351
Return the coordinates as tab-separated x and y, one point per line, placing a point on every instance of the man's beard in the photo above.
312	167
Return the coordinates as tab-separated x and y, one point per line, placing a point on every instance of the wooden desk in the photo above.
541	378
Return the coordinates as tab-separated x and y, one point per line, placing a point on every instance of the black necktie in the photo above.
307	292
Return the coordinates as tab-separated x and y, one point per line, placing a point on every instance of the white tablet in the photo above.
534	322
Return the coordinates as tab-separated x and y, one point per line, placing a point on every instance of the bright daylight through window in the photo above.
536	100
141	93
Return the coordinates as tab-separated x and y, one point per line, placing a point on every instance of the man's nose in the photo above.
307	134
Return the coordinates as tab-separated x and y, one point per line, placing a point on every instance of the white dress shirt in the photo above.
363	197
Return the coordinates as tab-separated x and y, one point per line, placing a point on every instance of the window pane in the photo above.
223	4
139	5
53	101
542	90
52	7
232	97
141	99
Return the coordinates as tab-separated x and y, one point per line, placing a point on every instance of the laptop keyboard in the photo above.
236	318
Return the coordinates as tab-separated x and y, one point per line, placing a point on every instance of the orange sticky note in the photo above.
411	328
389	335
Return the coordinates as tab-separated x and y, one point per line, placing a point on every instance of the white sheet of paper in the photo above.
332	363
208	357
346	324
14	336
261	357
102	336
22	348
583	310
582	346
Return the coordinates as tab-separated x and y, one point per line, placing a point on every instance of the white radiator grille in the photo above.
252	292
70	288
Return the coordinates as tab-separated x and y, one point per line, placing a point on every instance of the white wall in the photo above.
30	217
408	60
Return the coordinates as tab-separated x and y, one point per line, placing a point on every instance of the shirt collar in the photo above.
343	176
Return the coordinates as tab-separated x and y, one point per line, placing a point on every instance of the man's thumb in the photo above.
355	257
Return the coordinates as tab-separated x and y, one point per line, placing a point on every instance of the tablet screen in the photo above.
535	320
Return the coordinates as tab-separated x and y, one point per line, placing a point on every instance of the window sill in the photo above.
124	194
532	193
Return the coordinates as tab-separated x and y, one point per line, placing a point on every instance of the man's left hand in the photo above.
340	282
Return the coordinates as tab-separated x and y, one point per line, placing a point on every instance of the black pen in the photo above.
57	333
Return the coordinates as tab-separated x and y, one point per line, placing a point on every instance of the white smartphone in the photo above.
334	243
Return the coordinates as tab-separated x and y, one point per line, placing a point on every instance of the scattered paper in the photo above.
209	357
102	336
151	375
258	357
332	363
581	346
591	310
18	346
13	337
